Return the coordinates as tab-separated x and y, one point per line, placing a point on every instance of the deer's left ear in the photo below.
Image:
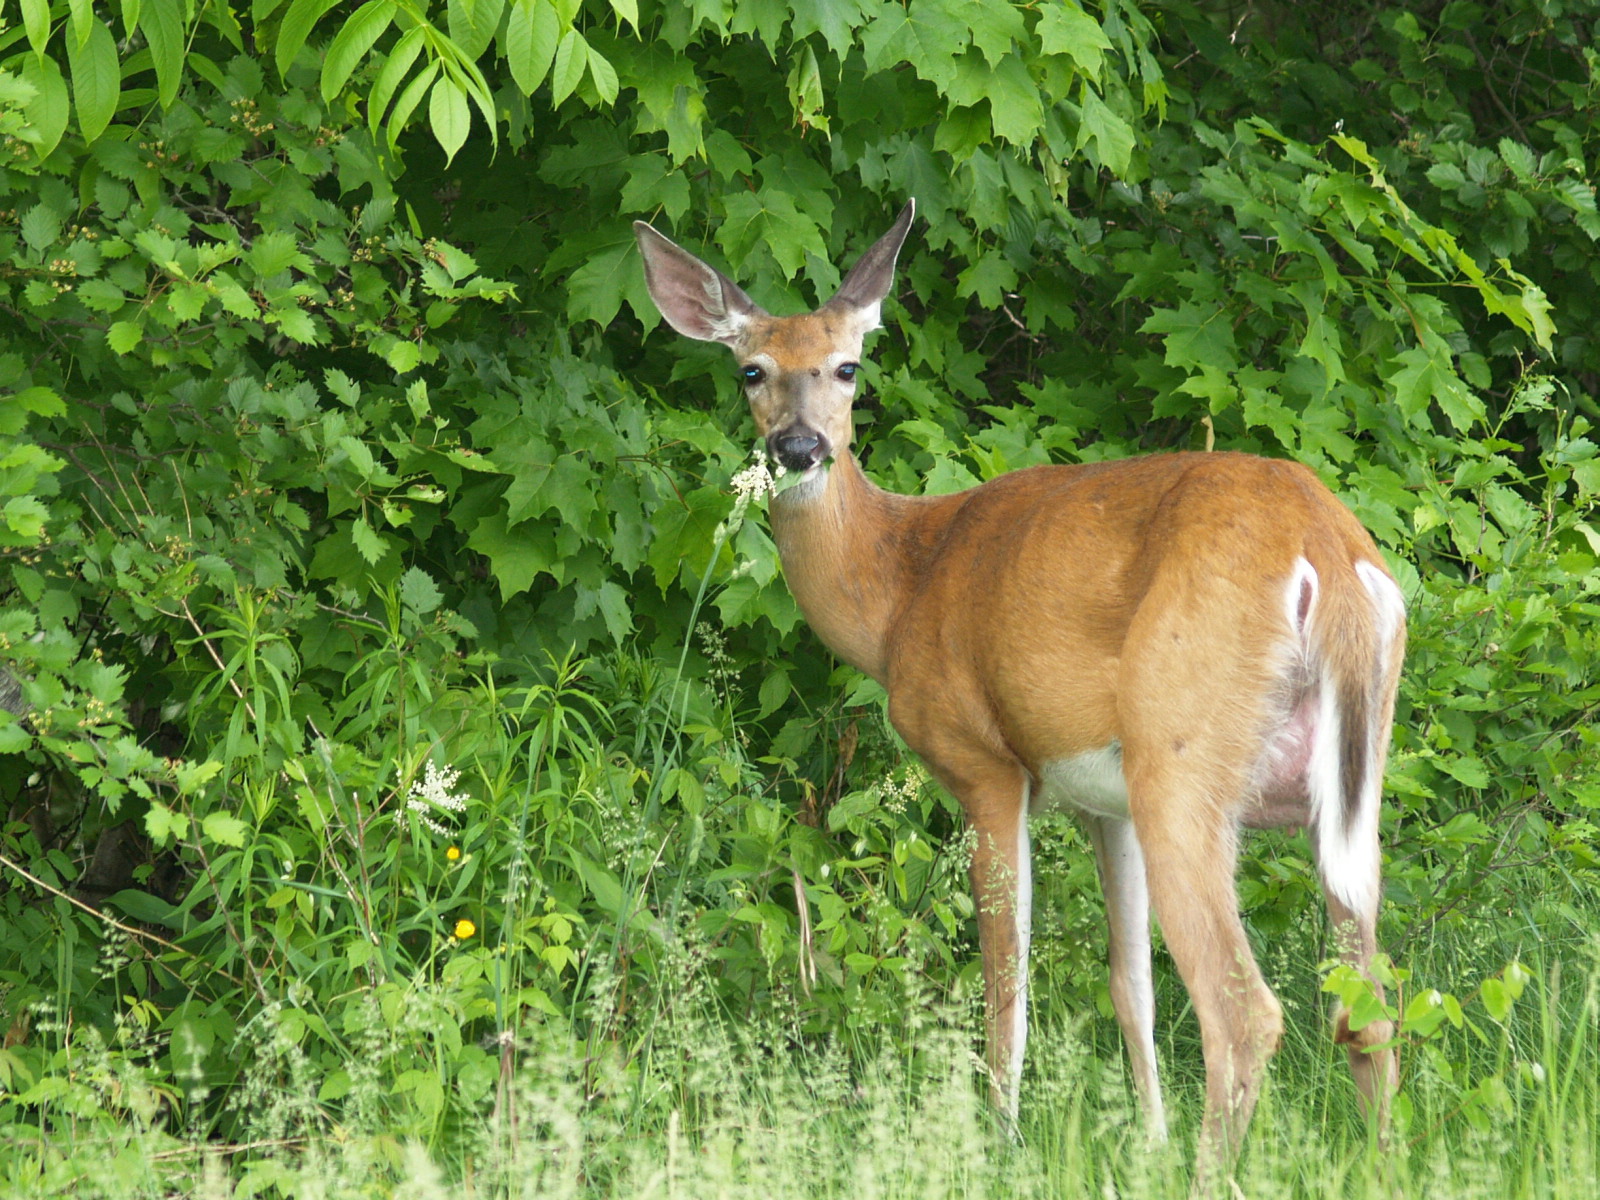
696	299
871	278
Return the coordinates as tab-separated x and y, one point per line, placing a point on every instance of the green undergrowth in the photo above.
722	1104
415	775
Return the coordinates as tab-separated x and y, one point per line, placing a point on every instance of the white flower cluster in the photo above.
432	795
754	481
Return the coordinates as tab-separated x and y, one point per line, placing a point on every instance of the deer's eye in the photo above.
846	372
751	375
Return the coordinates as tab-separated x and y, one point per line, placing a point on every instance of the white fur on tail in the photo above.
1346	827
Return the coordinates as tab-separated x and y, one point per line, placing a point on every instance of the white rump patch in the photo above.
1091	783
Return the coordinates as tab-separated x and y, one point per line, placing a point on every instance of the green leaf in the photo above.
532	32
449	115
516	557
162	824
142	906
1426	377
770	219
359	455
123	336
193	776
273	253
653	184
926	34
353	42
396	65
776	687
572	56
96	79
1446	176
408	100
989	278
25	517
472	24
850	807
161	22
418	592
296	324
836	20
1064	28
295	29
604	76
995	28
40	400
615	609
14	736
1197	335
1496	999
627	10
1518	158
403	356
41	226
36	22
595	289
1112	136
46	114
367	542
602	883
1014	107
224	828
82	18
1467	768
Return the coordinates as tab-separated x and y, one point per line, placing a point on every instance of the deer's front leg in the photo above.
996	805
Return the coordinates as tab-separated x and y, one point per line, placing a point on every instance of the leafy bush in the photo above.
396	689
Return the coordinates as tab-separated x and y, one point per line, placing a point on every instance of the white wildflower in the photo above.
754	481
432	795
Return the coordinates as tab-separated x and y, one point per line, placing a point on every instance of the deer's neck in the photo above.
848	550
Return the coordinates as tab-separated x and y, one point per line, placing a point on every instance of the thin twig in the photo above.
101	914
205	640
224	1148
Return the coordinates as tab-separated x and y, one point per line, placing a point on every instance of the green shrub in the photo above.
395	692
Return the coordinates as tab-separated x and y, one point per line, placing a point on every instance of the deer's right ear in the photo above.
697	300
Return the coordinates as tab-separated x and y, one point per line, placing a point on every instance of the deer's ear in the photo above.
871	278
696	299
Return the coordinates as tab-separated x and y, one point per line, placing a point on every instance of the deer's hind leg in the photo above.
1127	900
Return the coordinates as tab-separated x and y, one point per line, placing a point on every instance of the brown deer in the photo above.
1173	646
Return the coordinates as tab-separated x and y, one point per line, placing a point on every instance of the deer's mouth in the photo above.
799	448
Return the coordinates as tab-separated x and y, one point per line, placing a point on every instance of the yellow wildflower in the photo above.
465	929
453	853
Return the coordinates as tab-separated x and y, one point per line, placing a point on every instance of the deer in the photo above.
1176	647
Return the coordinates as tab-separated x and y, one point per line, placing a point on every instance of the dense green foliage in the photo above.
397	692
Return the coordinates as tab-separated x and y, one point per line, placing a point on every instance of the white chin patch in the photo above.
803	484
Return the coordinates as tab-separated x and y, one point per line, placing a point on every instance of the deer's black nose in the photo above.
798	448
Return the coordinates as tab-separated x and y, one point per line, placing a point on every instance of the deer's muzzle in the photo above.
798	448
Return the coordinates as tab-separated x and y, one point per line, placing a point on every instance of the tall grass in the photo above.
726	1113
736	1107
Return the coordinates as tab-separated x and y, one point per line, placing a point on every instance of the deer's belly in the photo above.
1089	783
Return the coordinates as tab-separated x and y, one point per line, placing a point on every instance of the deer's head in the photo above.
799	373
